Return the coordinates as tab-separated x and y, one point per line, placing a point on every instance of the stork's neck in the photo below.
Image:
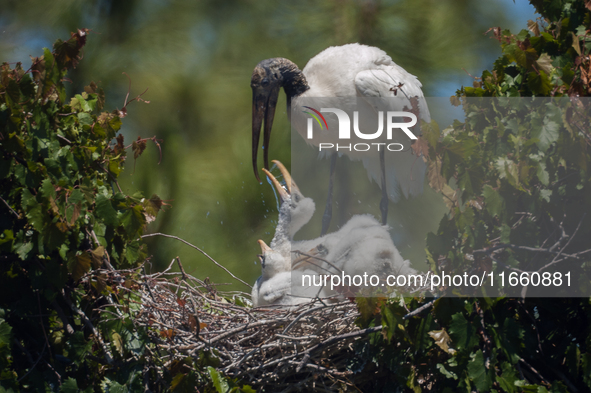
282	241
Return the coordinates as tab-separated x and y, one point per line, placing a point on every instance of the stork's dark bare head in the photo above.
268	77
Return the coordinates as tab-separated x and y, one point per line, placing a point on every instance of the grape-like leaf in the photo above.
78	265
479	373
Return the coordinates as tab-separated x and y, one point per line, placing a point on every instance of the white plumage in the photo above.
351	70
361	246
274	287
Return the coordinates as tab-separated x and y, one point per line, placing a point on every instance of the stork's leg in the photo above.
327	216
384	202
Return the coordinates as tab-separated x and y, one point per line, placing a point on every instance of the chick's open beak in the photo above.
283	194
264	247
289	182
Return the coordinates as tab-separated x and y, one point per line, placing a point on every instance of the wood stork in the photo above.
295	210
366	247
351	70
275	281
361	246
274	286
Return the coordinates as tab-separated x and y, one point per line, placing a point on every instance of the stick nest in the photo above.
308	347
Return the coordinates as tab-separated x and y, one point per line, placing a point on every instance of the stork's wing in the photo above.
404	171
392	81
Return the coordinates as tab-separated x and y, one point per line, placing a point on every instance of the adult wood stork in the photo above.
351	70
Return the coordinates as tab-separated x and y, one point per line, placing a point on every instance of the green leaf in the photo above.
79	347
494	202
85	118
116	387
33	209
586	369
539	84
511	337
177	381
478	372
69	386
389	322
78	265
104	210
446	373
464	148
219	382
5	332
462	332
115	124
546	134
134	252
542	174
133	220
507	378
47	189
23	249
117	342
5	344
505	233
114	167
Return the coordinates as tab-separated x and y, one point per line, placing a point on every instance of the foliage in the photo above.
515	175
71	249
63	216
66	225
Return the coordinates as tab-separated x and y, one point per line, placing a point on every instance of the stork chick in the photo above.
362	245
274	286
275	282
295	210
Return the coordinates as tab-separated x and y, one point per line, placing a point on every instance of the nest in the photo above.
306	347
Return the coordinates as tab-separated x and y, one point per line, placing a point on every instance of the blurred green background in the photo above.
196	58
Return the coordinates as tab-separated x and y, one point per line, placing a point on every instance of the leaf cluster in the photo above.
64	215
467	344
515	175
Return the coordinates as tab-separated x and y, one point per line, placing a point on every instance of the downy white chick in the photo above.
274	287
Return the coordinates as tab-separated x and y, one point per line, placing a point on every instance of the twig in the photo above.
202	252
42	325
420	309
533	370
338	338
108	356
298	262
28	355
60	313
8	206
555	260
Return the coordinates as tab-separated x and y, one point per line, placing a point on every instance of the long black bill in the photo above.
263	106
